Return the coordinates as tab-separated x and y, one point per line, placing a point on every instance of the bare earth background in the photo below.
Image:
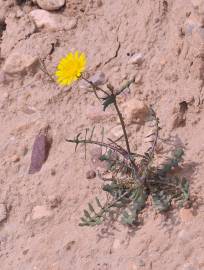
39	213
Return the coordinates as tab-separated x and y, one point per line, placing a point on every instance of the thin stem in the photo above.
114	148
95	87
123	126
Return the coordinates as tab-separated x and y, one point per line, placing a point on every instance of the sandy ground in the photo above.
39	213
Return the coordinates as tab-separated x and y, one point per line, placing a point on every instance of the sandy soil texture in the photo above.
161	43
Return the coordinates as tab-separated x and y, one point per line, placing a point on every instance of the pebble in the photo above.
51	5
3	212
44	19
186	215
51	22
137	58
15	158
19	63
98	79
135	111
41	211
91	174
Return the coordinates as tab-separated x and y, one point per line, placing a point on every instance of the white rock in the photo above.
137	58
41	211
98	78
51	22
44	19
135	111
19	63
3	212
51	4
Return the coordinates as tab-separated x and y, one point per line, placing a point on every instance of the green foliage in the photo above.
135	178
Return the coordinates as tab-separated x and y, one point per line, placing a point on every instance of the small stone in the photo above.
41	211
98	78
51	5
54	201
91	174
15	158
137	58
44	19
186	215
3	212
135	111
19	63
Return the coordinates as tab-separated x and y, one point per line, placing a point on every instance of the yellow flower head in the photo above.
70	68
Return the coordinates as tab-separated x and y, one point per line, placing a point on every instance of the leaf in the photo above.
91	208
98	203
39	153
86	214
185	188
108	101
77	138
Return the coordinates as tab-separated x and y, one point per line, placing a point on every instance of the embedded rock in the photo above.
44	19
52	22
18	63
137	58
135	111
51	5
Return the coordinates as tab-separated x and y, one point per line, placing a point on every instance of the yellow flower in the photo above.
70	68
